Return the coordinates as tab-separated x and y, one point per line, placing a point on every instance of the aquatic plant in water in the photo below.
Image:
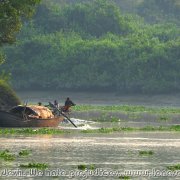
114	119
24	152
175	167
146	153
6	155
34	165
164	118
84	166
127	108
31	131
124	177
108	130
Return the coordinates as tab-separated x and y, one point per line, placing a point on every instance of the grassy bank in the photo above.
50	131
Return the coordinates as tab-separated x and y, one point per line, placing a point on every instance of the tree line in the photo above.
94	45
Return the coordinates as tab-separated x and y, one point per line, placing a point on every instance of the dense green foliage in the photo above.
12	15
8	97
94	45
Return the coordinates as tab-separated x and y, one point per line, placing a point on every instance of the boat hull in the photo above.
10	120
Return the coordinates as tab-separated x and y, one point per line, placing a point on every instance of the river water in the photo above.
113	154
108	152
100	98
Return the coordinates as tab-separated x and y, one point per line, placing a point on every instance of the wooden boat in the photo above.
14	119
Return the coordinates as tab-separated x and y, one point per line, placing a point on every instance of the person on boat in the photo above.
56	104
68	104
39	103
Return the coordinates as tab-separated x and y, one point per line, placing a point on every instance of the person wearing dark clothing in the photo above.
68	104
39	104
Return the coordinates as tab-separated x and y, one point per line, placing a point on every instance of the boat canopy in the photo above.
33	111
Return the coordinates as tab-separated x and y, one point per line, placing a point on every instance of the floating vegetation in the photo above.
6	155
164	118
80	125
126	112
174	167
34	165
124	177
24	152
114	119
175	128
146	153
161	128
129	129
31	131
84	166
151	128
127	108
55	177
108	130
